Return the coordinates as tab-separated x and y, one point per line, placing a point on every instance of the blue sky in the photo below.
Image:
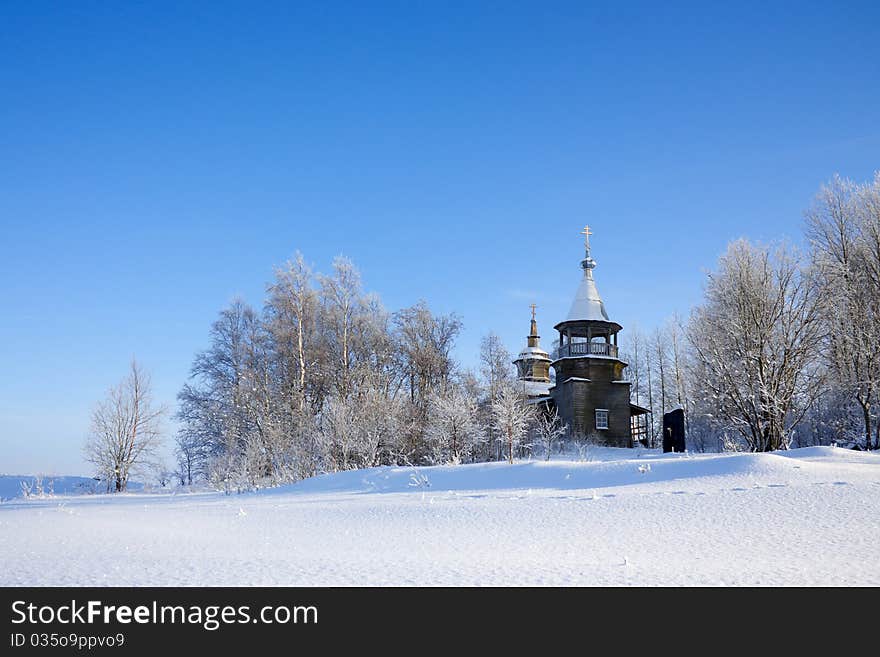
160	158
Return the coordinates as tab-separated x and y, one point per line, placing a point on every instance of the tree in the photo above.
454	429
126	428
844	229
341	304
660	360
756	339
425	342
495	364
324	379
292	311
511	417
192	457
549	429
496	369
679	367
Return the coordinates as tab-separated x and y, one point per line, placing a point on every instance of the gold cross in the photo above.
533	306
586	232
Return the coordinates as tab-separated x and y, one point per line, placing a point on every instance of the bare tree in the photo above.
495	364
192	458
678	355
636	351
549	429
292	310
660	361
844	228
425	342
126	428
454	429
341	300
496	370
756	339
511	418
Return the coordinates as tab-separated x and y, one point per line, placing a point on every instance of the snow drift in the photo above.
805	517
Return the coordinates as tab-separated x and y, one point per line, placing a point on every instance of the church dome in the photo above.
587	306
533	363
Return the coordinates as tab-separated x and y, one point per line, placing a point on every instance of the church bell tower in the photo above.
591	394
533	363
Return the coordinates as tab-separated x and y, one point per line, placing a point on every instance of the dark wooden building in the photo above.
591	390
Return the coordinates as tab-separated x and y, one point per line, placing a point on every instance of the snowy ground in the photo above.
807	517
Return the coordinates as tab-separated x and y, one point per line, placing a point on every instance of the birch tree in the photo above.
495	364
292	310
126	428
756	338
341	302
844	229
511	417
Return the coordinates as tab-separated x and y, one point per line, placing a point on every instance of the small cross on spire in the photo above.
533	306
587	263
586	232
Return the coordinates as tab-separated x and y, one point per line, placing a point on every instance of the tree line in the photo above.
323	378
784	348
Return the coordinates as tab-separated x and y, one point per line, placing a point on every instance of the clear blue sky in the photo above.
157	159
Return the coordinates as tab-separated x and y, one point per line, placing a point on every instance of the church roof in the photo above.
587	304
533	353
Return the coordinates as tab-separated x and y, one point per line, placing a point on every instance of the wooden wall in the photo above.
578	400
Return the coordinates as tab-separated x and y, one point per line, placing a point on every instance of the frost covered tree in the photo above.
292	315
549	429
323	379
496	371
126	429
425	341
844	229
755	339
454	431
217	407
191	455
511	417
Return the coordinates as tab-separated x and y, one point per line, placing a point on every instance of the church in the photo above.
587	385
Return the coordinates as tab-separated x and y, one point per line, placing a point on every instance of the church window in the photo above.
601	418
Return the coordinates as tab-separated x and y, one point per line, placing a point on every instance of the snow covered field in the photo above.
806	517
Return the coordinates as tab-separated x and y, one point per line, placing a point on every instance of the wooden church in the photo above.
589	389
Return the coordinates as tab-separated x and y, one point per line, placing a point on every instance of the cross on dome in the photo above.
586	232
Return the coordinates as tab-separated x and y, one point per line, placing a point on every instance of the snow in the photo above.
622	517
536	388
587	304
